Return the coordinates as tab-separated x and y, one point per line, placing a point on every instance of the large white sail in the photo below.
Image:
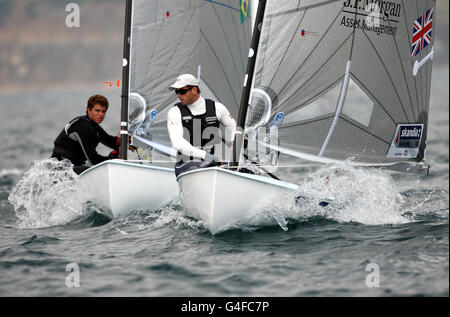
345	79
171	37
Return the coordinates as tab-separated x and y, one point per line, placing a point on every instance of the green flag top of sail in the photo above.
245	10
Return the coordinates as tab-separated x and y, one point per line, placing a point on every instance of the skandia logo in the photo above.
413	132
408	136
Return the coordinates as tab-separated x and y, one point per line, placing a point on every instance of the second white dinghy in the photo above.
220	197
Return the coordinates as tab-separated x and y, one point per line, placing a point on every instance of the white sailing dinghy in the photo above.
163	39
333	82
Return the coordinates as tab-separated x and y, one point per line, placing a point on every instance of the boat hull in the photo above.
119	187
221	198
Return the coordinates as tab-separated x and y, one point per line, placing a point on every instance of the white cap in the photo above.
183	81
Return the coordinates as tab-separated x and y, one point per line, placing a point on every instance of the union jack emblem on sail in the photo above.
422	32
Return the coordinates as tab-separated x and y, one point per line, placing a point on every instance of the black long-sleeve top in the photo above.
78	142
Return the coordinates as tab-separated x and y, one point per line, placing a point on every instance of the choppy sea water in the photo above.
384	235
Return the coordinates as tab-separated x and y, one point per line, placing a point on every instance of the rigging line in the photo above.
354	123
387	72
289	43
230	7
229	47
310	54
223	70
223	5
305	122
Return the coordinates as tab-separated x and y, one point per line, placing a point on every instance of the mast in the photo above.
125	82
239	136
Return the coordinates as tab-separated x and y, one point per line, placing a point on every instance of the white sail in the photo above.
171	37
345	79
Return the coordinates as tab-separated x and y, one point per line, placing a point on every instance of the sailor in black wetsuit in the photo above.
79	139
193	126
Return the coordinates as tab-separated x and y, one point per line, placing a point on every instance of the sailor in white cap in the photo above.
194	125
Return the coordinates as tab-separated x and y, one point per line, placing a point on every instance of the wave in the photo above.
92	217
8	177
344	195
334	194
351	195
10	172
48	195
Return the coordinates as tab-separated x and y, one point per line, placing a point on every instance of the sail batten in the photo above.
339	108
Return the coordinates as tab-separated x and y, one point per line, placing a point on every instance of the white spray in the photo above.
47	195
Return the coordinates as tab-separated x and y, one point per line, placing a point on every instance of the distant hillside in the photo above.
38	50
